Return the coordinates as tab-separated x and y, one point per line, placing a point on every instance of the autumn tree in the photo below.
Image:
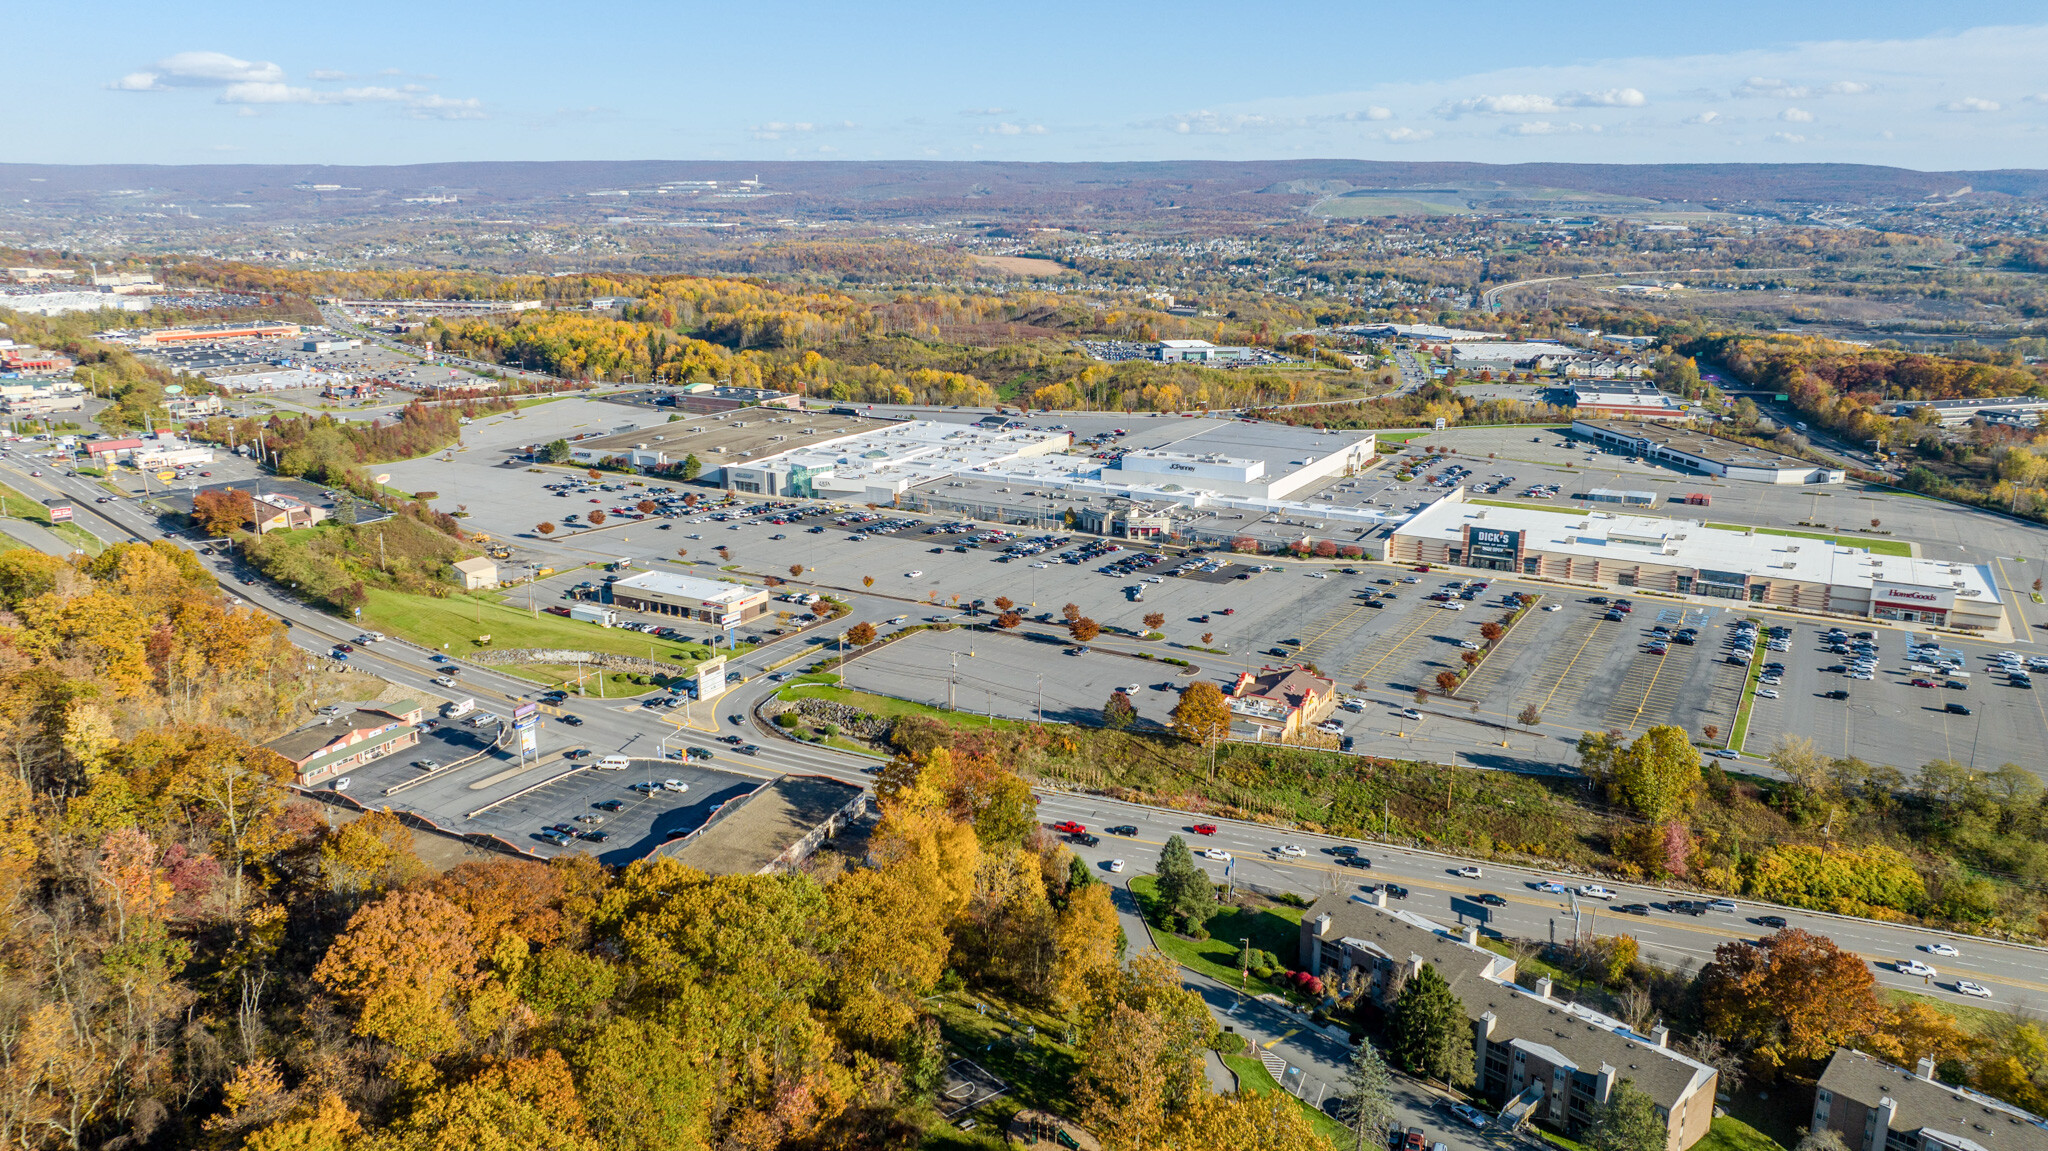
594	474
1009	619
1202	716
867	581
1119	713
1084	629
221	511
596	518
544	528
403	963
861	634
1447	682
1155	620
1004	603
1658	775
1530	716
1071	612
1794	997
795	570
646	507
1491	631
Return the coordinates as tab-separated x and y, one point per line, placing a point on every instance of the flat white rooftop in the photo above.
1690	543
687	587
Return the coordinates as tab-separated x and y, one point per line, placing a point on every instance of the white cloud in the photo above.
1848	88
1706	117
1775	89
444	108
1546	128
1008	129
328	75
1611	98
137	82
777	129
1971	104
245	83
211	69
1373	113
1206	123
269	92
1406	135
1796	116
1498	106
1786	138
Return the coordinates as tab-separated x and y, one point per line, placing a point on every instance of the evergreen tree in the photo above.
1626	1122
1187	896
1078	874
1119	713
1367	1110
556	452
1432	1034
692	467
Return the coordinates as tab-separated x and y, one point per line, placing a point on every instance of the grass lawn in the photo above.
887	706
1276	929
458	620
1399	437
1254	1079
1740	730
23	507
1041	1069
1731	1134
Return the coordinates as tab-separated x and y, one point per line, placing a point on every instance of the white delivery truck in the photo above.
593	613
614	763
456	708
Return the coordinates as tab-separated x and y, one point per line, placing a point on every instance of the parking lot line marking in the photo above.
1652	686
1400	643
1566	673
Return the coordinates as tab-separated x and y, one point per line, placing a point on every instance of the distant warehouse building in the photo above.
706	600
2026	409
1707	454
1689	558
1195	352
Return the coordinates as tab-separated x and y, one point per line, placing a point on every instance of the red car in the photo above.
558	610
1069	827
1228	611
1923	683
1204	829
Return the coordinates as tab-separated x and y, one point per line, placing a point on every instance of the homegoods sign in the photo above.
1913	597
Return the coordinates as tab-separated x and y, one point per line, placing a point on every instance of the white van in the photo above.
614	763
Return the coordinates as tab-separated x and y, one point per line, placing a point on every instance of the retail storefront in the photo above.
1910	604
1494	549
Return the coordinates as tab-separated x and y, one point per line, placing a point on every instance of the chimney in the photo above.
1925	1068
1379	898
1660	1035
1486	1023
1471	935
1322	925
1543	987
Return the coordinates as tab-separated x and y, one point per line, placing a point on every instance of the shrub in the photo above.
786	720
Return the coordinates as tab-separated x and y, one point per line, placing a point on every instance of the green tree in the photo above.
1432	1034
1657	776
557	452
1119	713
1626	1122
1187	896
345	509
692	467
1367	1094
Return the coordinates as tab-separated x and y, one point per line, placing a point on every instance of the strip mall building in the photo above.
1685	556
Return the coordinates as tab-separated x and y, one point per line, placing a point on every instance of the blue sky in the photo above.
1880	82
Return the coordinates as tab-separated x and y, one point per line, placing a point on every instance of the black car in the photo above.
1598	599
610	805
1838	668
1122	829
749	749
731	739
1490	899
594	836
1396	891
1344	849
1771	920
1084	839
1633	909
1687	907
572	721
1838	693
1957	709
1358	861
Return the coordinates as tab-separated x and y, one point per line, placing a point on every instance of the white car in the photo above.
1915	967
1940	949
1452	605
1766	693
1319	575
674	785
1595	891
1977	989
444	681
1467	872
1470	1115
1116	865
1410	713
1216	853
1294	849
912	575
1553	607
341	784
1725	753
1550	887
1130	689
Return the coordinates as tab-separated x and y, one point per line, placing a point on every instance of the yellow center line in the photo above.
1566	673
1647	689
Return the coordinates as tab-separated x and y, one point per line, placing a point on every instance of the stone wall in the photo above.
595	658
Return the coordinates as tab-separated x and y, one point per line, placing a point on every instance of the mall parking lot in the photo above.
1886	720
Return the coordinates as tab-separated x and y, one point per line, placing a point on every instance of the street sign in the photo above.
524	711
529	741
60	514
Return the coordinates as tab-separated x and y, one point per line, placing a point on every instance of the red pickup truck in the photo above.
1069	827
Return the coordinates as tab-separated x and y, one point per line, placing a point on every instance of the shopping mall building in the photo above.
1686	557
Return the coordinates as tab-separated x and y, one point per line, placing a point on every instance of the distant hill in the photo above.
906	190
